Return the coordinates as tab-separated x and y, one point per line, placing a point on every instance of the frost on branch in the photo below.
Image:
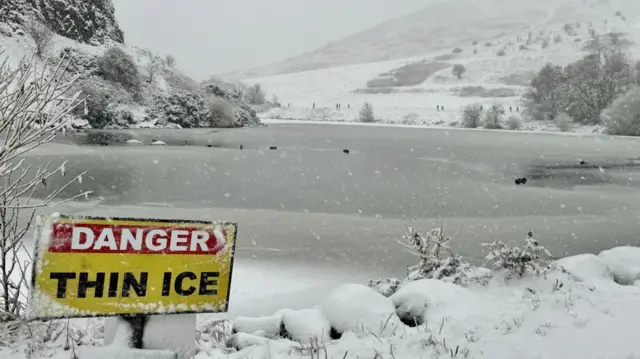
34	106
437	261
518	260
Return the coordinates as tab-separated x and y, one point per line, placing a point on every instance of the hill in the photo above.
445	25
423	90
124	86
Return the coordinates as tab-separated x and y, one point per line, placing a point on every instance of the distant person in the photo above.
510	109
438	108
348	106
442	108
518	109
314	105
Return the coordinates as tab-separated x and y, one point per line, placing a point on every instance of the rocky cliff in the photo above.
88	21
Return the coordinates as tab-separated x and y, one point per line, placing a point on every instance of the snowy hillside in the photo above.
409	90
444	25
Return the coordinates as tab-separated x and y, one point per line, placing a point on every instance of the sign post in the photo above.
128	267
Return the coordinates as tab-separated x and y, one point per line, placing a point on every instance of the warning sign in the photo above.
91	266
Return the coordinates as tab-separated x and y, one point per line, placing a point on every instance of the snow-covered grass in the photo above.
487	73
586	307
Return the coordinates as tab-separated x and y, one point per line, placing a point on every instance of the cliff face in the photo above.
88	21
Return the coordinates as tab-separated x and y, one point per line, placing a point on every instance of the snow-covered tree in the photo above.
35	106
366	113
458	71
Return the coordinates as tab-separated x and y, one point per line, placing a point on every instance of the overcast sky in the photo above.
217	36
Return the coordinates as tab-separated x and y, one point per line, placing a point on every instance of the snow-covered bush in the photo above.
385	286
622	117
514	122
366	113
101	98
79	63
493	117
221	113
255	95
564	122
437	260
518	260
185	108
458	71
179	81
118	66
471	115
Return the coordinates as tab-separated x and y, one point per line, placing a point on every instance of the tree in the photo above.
35	107
41	34
471	115
170	60
118	66
622	117
458	70
366	113
152	67
255	95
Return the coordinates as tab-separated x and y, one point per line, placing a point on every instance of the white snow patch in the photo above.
158	143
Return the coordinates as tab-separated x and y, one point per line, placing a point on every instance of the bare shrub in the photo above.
118	66
34	108
366	113
471	115
41	34
457	50
514	123
501	53
545	43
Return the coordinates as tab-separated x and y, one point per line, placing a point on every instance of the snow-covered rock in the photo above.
624	264
413	300
159	143
268	326
355	307
303	325
586	268
91	22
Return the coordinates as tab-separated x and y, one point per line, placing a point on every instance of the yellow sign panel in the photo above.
90	266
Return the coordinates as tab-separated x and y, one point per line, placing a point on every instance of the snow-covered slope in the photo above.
444	25
409	90
153	93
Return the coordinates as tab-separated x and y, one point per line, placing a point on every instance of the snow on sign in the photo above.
91	266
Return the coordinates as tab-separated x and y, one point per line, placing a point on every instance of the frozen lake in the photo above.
308	204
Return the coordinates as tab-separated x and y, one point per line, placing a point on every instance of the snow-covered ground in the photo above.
313	95
585	308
